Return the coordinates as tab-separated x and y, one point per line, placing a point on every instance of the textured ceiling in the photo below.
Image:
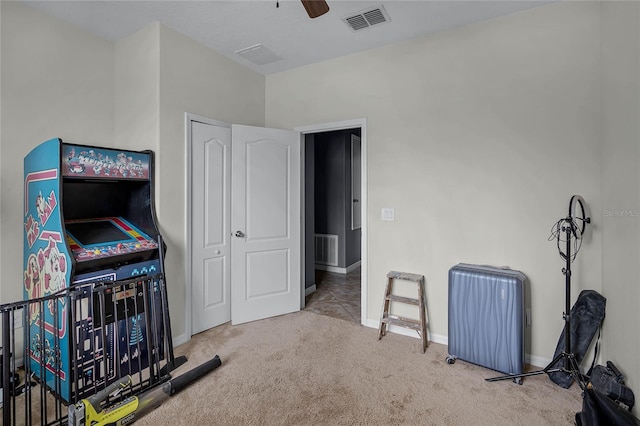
287	31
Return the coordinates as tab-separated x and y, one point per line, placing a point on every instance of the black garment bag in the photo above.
600	410
586	318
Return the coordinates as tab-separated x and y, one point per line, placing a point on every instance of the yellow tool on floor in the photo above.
90	411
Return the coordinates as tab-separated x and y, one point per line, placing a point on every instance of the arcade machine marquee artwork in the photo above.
88	217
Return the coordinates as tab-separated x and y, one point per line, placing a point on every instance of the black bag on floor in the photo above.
586	317
610	381
600	410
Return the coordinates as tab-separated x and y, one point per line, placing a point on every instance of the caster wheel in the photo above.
518	380
450	360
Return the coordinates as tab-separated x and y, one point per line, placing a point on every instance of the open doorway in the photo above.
333	208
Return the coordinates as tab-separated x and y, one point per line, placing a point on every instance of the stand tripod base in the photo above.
172	365
570	367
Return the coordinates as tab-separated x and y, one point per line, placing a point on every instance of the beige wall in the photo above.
620	44
477	137
57	81
197	80
137	83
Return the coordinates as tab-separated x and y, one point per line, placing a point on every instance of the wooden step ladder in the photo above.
418	325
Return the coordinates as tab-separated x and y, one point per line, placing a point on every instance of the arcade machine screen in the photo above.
108	242
96	232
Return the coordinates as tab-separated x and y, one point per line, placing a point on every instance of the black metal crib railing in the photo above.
67	346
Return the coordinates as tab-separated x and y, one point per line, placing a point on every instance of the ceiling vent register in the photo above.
258	54
367	18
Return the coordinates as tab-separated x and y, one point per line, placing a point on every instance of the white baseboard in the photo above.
354	266
309	290
436	338
337	269
180	339
534	360
537	361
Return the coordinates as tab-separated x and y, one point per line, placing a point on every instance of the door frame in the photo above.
328	127
304	130
188	118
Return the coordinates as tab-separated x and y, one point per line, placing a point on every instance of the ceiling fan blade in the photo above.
315	8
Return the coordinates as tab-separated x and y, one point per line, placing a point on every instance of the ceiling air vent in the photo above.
258	54
367	18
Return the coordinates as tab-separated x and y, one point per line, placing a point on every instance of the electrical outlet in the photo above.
17	320
388	214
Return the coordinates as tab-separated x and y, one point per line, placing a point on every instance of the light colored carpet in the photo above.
309	369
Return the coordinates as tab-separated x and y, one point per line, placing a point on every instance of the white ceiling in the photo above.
228	26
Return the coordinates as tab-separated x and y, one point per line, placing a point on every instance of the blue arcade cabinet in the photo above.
89	217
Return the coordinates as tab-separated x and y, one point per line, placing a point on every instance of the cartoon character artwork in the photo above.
54	268
46	263
104	162
40	206
33	285
74	164
44	207
45	274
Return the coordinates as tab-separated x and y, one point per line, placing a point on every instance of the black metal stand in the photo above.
570	365
173	362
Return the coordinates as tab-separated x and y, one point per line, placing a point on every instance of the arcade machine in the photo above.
89	218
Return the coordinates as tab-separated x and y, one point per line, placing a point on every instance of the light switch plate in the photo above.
388	214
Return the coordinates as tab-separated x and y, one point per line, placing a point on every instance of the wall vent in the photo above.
367	18
327	249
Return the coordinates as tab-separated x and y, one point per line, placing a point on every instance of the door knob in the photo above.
239	234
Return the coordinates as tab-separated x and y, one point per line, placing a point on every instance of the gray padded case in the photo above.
486	317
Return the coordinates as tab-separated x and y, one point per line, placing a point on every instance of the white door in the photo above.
210	224
265	223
